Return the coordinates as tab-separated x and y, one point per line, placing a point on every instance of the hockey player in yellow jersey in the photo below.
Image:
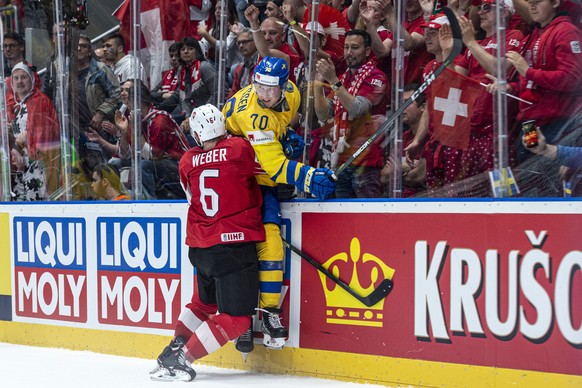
261	112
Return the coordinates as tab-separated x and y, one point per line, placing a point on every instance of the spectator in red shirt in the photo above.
478	60
549	72
357	109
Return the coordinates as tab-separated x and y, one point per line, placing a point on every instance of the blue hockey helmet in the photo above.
272	71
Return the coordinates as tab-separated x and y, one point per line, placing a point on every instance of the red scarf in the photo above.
170	80
342	125
195	77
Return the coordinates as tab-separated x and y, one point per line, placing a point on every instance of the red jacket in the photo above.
552	83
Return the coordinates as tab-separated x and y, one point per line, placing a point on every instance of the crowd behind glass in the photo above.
343	62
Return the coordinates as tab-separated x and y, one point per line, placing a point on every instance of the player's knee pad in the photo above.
236	292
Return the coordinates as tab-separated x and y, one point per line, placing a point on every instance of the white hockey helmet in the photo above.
206	123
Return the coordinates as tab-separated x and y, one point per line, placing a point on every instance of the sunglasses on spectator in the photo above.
10	46
485	7
243	42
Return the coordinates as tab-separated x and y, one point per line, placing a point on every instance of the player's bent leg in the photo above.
192	316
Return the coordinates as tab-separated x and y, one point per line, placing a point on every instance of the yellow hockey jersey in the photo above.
263	127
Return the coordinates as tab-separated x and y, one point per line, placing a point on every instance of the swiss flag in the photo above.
163	22
450	106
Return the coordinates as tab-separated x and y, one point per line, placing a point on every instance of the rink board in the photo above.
486	293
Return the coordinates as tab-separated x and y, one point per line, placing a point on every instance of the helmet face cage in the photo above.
206	123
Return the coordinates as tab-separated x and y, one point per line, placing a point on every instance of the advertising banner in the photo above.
482	289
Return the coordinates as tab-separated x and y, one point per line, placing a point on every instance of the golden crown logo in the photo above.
344	309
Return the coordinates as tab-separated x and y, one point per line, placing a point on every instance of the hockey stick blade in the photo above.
456	50
375	296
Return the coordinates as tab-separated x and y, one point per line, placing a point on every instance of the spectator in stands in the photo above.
478	60
122	64
269	38
413	173
98	98
243	73
170	78
416	55
167	142
196	82
35	138
358	108
13	51
211	37
107	184
549	71
273	9
443	163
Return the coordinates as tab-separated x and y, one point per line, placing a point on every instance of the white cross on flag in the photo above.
450	107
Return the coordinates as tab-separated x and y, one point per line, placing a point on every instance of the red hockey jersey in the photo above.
224	197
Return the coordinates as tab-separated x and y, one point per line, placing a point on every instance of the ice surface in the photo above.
34	367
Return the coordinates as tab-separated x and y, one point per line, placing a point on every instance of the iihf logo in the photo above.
341	307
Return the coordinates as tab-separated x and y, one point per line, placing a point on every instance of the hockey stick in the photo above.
457	48
375	296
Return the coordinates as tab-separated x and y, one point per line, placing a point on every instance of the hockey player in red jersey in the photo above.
224	224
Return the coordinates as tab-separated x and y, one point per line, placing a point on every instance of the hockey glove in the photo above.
293	144
317	181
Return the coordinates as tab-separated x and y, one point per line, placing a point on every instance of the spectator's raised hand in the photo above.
427	7
467	30
109	128
288	12
93	135
446	39
121	121
252	14
493	86
326	68
369	17
518	62
96	120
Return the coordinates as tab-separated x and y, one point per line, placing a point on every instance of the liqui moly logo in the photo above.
138	271
50	268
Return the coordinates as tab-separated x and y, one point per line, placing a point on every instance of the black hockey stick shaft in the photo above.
457	48
375	296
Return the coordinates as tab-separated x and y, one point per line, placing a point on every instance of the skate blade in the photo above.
273	343
163	374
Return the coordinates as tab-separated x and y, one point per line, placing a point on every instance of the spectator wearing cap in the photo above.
167	143
196	83
107	184
549	72
35	137
443	163
357	108
243	73
13	51
480	59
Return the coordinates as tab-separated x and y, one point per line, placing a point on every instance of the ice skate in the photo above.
274	334
244	343
172	364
